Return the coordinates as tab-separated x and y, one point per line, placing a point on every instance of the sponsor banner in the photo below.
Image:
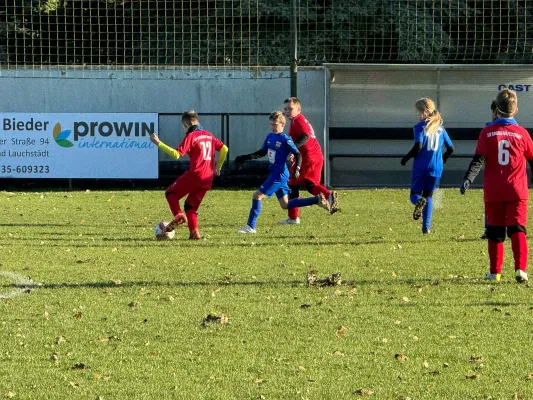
114	146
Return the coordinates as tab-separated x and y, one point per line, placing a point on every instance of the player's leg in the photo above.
516	220
293	213
178	189
484	236
319	200
255	210
285	203
294	185
495	214
316	189
192	203
313	176
417	186
427	212
430	184
268	188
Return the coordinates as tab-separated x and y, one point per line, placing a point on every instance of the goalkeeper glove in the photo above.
465	185
296	173
242	159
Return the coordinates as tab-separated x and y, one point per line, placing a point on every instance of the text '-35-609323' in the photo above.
25	169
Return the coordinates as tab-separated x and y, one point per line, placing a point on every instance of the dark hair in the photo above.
190	117
493	105
293	100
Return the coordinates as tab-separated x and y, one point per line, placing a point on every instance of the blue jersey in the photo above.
278	148
428	161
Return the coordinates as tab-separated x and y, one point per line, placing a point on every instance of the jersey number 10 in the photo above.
433	142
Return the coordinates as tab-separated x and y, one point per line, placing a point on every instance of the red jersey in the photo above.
311	149
200	145
505	148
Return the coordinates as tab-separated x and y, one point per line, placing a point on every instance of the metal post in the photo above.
294	49
228	167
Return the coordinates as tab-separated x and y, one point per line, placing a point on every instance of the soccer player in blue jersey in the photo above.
277	146
430	137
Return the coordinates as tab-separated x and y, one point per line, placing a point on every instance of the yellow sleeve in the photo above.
169	150
222	156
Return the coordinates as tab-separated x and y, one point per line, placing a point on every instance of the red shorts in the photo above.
189	184
311	171
508	213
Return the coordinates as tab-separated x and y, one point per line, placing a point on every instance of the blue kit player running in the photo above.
277	146
430	137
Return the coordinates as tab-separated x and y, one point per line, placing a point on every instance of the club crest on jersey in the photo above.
278	145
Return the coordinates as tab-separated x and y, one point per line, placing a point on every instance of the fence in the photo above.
246	34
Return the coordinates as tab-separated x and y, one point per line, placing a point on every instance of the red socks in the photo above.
192	219
173	203
316	189
495	257
519	246
293	213
320	189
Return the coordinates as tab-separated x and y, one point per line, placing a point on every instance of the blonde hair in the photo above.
277	116
506	103
426	107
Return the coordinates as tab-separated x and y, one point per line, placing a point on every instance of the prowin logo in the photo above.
61	137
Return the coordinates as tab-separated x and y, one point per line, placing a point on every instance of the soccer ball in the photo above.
161	234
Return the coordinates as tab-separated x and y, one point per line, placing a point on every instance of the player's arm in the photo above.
449	147
412	153
222	153
302	140
530	162
173	153
473	170
252	156
447	154
297	156
305	134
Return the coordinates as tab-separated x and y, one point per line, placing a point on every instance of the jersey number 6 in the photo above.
503	153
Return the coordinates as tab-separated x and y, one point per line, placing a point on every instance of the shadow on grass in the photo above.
278	283
145	242
29	225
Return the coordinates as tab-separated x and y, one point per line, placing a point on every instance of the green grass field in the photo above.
111	313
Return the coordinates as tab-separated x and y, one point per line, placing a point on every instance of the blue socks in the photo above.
302	202
427	212
414	198
293	203
254	213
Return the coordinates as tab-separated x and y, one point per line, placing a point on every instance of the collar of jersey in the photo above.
505	121
194	128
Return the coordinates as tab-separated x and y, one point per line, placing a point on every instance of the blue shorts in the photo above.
274	184
420	183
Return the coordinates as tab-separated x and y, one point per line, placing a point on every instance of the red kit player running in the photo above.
303	136
503	147
200	145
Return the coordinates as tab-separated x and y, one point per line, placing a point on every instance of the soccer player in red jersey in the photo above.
494	116
200	145
504	147
303	136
